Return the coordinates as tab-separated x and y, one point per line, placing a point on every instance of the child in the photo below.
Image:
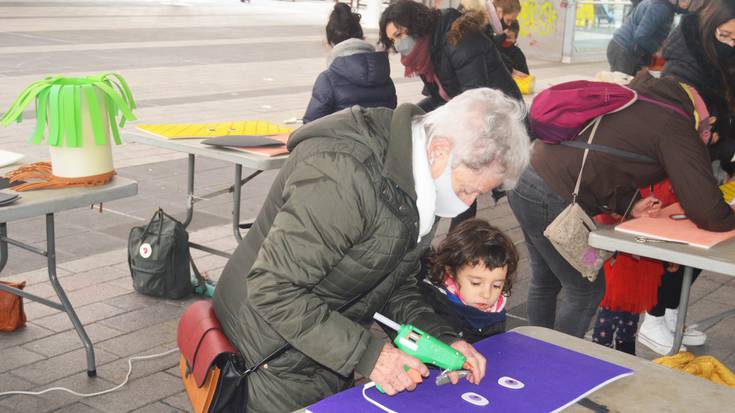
468	279
512	55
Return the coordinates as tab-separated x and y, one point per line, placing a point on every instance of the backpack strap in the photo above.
620	152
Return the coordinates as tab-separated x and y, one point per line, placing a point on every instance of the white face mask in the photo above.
448	204
405	45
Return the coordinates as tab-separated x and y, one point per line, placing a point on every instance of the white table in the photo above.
194	148
48	202
719	259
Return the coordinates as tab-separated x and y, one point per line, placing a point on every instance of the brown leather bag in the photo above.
12	316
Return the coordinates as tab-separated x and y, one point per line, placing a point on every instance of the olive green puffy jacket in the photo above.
340	220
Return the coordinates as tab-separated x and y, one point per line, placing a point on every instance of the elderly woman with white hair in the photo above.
345	224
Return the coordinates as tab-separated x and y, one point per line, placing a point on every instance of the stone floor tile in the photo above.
144	317
141	340
23	335
87	314
11	382
14	357
180	401
158	407
137	393
64	365
116	370
69	340
54	401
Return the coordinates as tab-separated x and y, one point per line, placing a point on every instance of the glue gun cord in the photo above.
380	406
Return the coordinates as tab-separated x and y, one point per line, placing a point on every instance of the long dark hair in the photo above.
418	20
474	242
343	24
715	13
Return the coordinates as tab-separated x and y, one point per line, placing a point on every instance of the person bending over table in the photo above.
350	213
677	150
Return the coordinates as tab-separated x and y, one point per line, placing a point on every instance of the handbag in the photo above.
570	230
12	316
214	373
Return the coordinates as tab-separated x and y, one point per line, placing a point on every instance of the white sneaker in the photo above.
655	335
692	337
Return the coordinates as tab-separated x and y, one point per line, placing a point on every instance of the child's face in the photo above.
479	286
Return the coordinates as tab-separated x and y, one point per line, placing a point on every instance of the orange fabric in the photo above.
45	179
12	316
200	397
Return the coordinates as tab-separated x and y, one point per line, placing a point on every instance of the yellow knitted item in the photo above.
706	367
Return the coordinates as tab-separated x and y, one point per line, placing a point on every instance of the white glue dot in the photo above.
476	399
510	383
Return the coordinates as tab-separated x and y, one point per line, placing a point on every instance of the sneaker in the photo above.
692	337
655	335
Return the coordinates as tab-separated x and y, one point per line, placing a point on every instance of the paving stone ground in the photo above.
187	60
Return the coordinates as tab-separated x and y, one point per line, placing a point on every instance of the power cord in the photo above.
127	377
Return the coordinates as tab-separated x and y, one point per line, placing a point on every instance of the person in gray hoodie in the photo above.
356	73
642	34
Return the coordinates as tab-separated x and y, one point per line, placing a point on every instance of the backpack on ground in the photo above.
159	259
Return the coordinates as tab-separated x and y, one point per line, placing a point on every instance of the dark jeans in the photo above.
621	60
670	291
535	205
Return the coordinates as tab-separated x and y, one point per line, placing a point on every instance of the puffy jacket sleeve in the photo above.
327	202
322	99
477	63
408	306
687	165
652	29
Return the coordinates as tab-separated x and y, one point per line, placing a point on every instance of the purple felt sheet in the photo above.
553	378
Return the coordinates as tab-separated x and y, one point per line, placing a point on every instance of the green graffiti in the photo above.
537	17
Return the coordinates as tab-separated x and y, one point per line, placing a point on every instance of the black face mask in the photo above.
724	51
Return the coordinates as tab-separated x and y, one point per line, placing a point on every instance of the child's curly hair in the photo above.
474	242
470	21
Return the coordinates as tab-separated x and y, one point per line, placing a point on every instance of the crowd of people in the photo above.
352	214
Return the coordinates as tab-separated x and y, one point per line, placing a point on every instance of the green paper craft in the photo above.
59	108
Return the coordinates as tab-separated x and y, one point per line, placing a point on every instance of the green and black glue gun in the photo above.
424	347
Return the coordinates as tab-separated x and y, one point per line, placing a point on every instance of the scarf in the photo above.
418	62
453	294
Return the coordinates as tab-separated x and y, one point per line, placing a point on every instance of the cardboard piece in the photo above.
552	378
211	130
672	225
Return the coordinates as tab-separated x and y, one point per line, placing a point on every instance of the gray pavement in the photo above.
186	61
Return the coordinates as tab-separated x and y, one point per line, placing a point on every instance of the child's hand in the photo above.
649	206
475	363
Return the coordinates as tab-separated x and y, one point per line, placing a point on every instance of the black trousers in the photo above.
670	291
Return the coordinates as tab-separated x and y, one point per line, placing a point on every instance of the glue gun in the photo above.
424	347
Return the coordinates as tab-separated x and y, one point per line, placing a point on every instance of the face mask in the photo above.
508	43
405	45
448	204
723	50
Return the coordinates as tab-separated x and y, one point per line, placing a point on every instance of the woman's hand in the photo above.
475	363
390	374
649	207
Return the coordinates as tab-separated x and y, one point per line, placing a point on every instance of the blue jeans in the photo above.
535	206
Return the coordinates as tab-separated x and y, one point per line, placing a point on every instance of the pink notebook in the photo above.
672	225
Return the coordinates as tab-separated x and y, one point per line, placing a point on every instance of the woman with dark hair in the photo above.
447	49
451	54
700	53
356	73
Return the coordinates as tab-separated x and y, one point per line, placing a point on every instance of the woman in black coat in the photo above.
450	52
447	49
356	73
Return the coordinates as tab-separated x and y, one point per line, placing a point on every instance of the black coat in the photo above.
473	63
686	61
359	79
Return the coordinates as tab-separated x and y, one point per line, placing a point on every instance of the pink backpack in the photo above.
560	113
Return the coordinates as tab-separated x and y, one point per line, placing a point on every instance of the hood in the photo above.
666	88
363	69
348	48
443	24
385	131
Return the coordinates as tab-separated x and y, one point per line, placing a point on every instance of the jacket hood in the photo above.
666	89
443	25
348	48
385	131
362	68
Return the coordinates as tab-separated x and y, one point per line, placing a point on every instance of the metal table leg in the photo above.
189	191
686	286
236	190
65	305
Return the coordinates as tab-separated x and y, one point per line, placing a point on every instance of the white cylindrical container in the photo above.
90	158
